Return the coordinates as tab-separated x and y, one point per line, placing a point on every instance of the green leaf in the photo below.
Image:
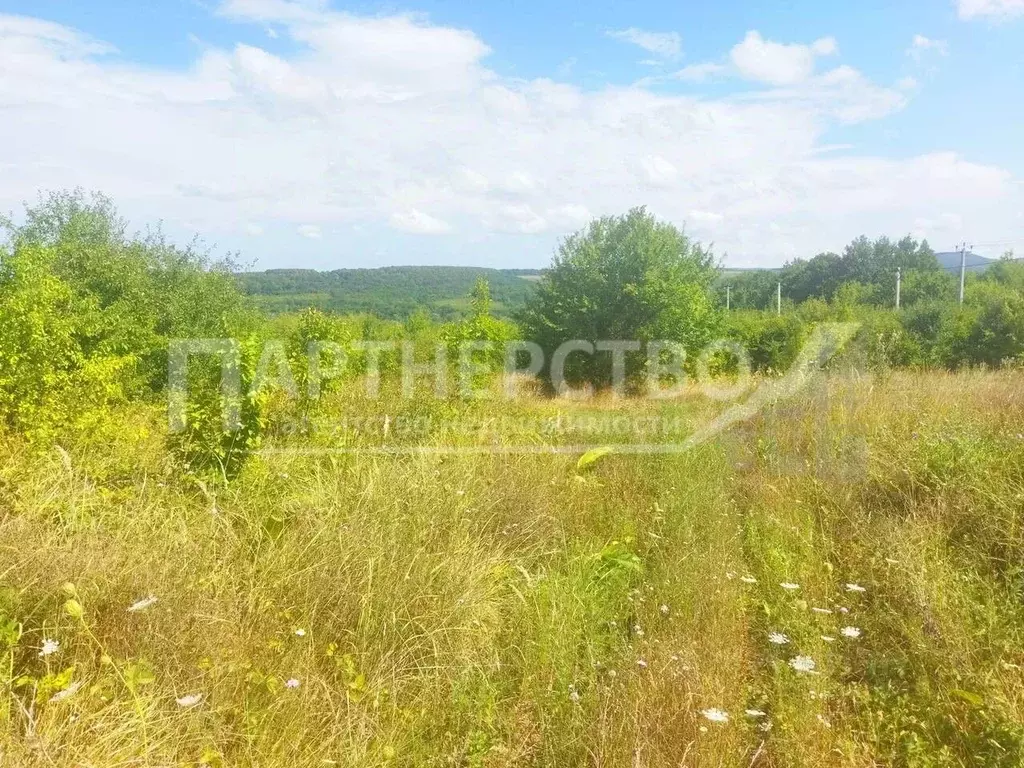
974	699
591	457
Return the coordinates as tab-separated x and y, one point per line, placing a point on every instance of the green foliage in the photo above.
771	340
87	313
625	277
483	328
393	293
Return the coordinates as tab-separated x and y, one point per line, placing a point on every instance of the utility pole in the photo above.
963	268
778	298
898	277
728	297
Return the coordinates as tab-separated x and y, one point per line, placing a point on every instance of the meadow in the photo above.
836	582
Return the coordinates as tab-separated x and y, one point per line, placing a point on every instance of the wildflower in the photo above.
821	610
189	701
777	638
49	648
641	663
716	715
855	588
851	632
638	631
664	610
802	663
789	585
141	605
748	579
755	713
828	638
300	633
292	683
67	693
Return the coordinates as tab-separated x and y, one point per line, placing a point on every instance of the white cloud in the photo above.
779	64
419	223
665	45
921	45
311	231
698	73
998	9
705	219
391	122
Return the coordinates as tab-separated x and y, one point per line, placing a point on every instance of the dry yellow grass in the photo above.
493	609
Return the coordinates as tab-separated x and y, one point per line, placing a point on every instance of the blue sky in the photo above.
305	133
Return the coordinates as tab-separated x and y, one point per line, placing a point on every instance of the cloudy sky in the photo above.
327	134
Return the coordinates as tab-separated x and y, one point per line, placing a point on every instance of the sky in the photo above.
309	133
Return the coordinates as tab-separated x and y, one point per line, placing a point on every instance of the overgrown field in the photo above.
837	582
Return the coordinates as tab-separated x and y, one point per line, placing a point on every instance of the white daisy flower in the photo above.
67	693
777	638
189	701
716	715
49	648
300	633
789	585
802	663
141	605
748	579
851	632
664	610
755	713
855	588
292	683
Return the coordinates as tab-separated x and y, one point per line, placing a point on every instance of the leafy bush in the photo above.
772	341
623	278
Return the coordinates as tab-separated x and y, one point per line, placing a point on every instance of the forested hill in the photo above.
389	292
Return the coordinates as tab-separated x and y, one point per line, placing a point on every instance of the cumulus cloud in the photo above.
665	45
776	63
419	223
921	45
387	123
311	231
997	9
698	73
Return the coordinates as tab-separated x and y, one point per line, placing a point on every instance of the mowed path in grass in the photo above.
837	582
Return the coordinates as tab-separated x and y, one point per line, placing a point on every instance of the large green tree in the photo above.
623	278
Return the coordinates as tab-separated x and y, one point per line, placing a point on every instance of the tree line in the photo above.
87	313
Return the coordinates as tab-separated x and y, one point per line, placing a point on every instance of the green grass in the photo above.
500	609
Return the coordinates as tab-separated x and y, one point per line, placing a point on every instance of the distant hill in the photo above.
389	292
951	260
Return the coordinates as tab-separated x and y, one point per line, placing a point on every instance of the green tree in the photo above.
629	278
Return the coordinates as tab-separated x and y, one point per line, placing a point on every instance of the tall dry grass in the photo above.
489	608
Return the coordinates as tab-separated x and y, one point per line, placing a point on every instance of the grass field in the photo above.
839	582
